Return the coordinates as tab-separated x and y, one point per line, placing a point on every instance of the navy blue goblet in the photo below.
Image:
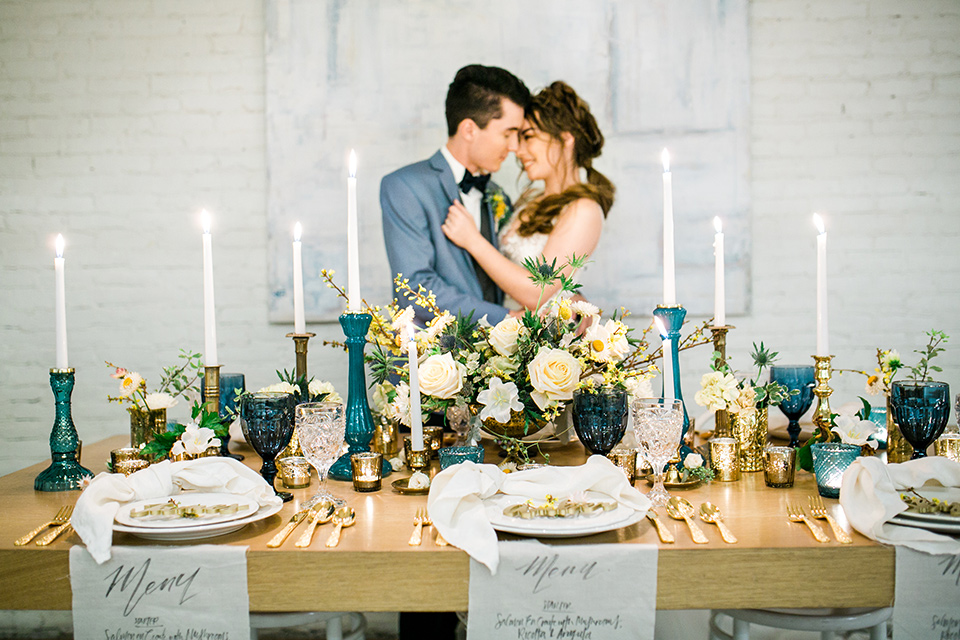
921	410
797	377
267	423
600	418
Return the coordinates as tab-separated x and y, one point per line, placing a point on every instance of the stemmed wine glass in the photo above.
794	377
320	428
658	425
921	410
267	424
600	418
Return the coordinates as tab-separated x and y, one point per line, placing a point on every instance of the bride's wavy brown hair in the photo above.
555	110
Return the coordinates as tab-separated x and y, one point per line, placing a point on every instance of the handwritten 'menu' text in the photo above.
547	570
137	583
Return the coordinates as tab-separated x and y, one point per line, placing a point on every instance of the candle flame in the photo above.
297	232
59	245
411	331
717	224
205	220
662	329
818	222
665	158
353	163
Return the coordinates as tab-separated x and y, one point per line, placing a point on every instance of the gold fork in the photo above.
817	510
797	514
61	518
440	541
419	519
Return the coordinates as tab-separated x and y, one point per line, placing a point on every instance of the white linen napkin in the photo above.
870	496
98	504
456	497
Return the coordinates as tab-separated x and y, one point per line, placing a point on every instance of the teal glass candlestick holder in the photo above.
64	472
358	416
672	319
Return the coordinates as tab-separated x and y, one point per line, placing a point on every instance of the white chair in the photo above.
334	627
825	621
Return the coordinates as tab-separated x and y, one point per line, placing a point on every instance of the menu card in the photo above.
160	593
600	591
927	603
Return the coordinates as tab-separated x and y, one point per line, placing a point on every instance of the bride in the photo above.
558	142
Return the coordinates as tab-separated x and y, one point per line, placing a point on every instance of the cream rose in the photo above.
503	337
554	374
440	376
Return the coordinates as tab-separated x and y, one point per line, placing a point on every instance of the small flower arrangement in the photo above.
693	467
206	430
721	390
857	428
498	203
176	381
313	390
889	363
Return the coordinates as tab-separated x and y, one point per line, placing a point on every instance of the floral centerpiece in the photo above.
311	390
206	430
516	376
177	380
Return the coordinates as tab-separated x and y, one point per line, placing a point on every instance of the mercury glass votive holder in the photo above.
455	455
725	459
122	455
416	460
294	472
626	460
126	467
385	432
367	469
948	446
779	466
433	440
830	460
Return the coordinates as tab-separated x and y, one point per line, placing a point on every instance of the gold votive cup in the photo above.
416	460
433	440
123	455
626	460
948	446
294	472
385	438
725	459
367	471
779	466
126	467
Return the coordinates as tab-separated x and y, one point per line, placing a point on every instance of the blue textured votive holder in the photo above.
456	455
830	460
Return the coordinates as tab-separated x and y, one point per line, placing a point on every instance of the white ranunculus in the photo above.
318	387
156	401
279	387
500	400
441	376
419	480
693	460
381	396
639	387
554	374
853	430
503	337
718	391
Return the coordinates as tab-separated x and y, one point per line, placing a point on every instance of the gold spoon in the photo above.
681	509
321	514
344	517
709	512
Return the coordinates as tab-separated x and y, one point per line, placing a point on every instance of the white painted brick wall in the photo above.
120	119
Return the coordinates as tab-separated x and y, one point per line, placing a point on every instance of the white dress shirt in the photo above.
472	200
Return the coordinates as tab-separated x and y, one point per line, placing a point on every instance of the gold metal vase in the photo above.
750	430
898	449
144	425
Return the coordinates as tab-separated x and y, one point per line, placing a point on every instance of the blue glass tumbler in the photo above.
830	460
797	377
921	410
267	423
600	418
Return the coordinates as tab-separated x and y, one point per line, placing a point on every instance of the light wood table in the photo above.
776	563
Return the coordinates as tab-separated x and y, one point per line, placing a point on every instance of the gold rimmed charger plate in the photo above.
402	486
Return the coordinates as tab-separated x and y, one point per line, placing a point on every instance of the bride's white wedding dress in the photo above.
518	248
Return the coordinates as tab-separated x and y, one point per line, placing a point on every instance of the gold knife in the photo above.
662	531
297	518
50	537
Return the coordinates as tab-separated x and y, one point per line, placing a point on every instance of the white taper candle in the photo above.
416	420
823	332
353	257
299	320
719	285
60	307
210	357
669	274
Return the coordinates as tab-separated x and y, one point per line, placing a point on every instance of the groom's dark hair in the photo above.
476	93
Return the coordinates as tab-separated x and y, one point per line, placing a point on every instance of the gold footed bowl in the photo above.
518	426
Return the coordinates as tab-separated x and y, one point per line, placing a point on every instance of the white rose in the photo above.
418	480
503	337
279	387
440	376
693	460
554	374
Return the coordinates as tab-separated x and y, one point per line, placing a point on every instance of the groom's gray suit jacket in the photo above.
415	200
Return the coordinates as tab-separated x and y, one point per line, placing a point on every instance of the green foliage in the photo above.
179	378
159	447
921	372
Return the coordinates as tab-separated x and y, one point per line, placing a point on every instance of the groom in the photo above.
484	110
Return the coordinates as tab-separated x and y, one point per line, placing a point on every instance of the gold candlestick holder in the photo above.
211	388
821	373
300	348
722	427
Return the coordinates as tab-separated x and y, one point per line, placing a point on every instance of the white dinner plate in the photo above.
940	527
248	507
948	494
198	532
557	527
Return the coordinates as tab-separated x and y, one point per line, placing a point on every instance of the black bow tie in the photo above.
471	181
